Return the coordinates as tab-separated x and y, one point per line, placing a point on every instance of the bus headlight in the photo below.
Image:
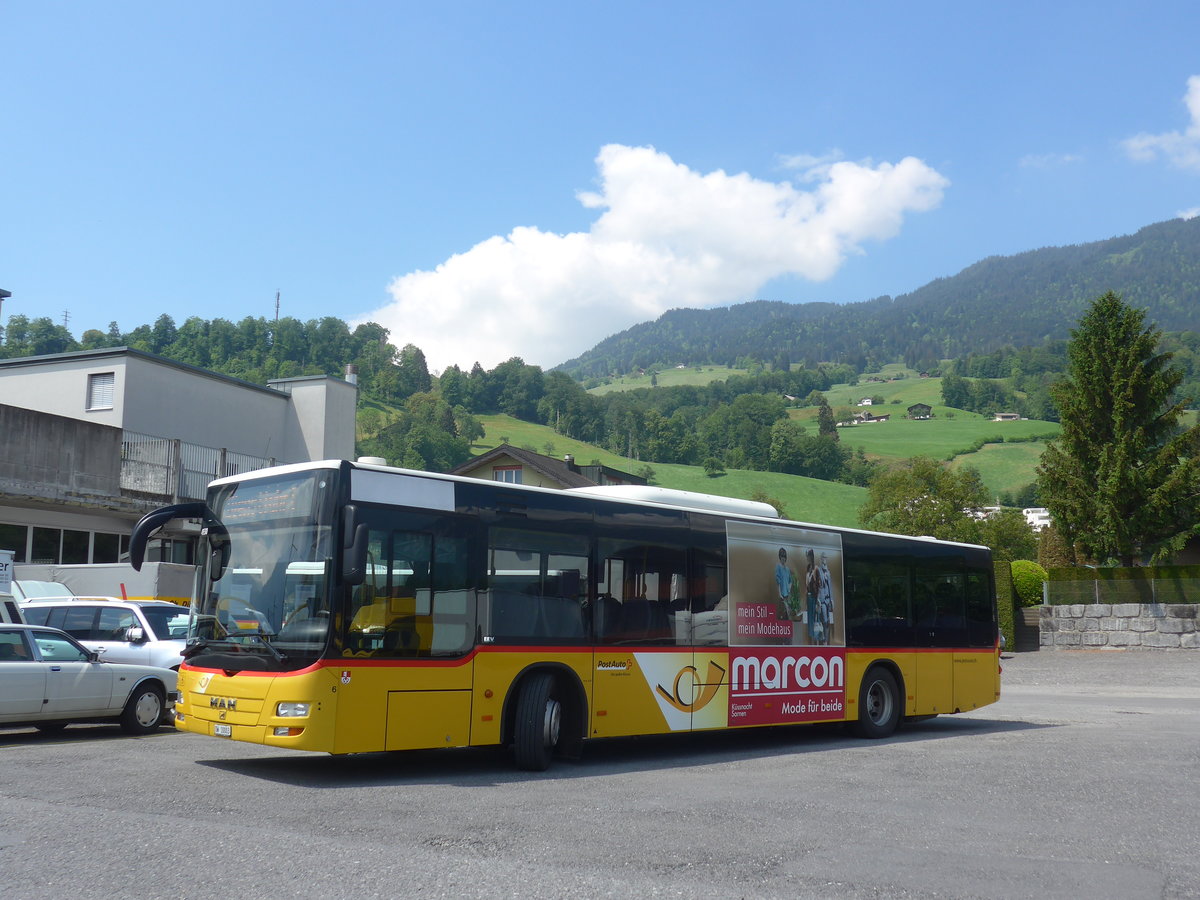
292	710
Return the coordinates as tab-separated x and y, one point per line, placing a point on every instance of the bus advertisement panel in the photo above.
787	653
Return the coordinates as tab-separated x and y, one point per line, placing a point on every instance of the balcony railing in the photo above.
178	470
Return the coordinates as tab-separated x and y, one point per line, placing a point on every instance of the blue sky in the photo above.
489	180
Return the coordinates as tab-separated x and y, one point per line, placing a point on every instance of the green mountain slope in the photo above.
1020	300
804	499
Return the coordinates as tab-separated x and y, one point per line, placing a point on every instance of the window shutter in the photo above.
100	390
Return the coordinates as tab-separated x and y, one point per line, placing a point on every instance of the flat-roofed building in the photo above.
90	441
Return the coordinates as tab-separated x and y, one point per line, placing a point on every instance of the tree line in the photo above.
417	420
1121	481
1020	300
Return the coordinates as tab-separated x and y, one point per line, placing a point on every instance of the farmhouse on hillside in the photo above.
517	466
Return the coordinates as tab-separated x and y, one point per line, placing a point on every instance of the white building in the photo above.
1038	517
90	441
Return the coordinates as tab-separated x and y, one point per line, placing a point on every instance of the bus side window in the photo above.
877	603
537	586
981	624
414	600
638	584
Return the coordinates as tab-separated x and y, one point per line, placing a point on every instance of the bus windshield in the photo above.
263	597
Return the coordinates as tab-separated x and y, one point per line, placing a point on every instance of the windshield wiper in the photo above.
262	636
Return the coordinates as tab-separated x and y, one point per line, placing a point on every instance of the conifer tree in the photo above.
1122	481
826	424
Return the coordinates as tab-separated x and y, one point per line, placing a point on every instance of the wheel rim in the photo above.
148	709
553	723
879	703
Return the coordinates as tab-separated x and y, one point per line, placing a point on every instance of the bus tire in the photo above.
878	704
538	725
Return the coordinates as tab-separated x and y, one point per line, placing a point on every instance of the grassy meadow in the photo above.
951	434
691	375
803	499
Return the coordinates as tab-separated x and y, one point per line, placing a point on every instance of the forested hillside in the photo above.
1006	318
1018	301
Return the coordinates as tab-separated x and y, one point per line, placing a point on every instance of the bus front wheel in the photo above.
878	704
539	723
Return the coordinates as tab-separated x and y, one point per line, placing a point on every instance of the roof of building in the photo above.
548	466
103	353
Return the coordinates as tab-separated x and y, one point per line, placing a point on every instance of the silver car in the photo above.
48	680
143	632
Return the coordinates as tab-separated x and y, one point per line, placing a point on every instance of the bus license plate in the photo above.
223	730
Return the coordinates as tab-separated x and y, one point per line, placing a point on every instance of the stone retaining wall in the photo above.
1120	625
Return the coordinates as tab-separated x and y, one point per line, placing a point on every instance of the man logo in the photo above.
708	690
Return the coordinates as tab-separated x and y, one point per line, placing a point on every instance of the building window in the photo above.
47	544
14	538
100	390
509	474
75	547
51	546
106	548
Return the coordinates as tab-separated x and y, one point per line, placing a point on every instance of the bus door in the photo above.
644	676
976	674
933	639
414	620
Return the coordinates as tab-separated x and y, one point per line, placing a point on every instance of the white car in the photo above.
49	680
25	590
142	632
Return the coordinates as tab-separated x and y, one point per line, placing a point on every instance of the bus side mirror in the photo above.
354	549
218	559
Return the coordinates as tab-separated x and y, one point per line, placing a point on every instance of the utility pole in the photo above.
277	307
3	296
66	317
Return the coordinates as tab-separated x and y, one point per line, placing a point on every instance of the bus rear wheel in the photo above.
538	725
878	704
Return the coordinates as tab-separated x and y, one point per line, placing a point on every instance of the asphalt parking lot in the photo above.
1080	783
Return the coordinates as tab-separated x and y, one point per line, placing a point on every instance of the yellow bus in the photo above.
350	607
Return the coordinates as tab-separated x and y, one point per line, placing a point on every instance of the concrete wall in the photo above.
58	459
321	417
58	385
201	408
1120	625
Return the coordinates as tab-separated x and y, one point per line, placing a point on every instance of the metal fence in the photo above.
177	469
1127	590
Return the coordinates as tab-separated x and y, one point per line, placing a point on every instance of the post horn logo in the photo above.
716	676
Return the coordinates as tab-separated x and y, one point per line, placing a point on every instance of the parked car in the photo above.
10	610
25	590
143	632
49	680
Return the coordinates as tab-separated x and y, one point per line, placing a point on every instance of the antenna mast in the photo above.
277	307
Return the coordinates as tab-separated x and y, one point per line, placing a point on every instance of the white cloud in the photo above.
1187	214
1182	149
1048	160
666	237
